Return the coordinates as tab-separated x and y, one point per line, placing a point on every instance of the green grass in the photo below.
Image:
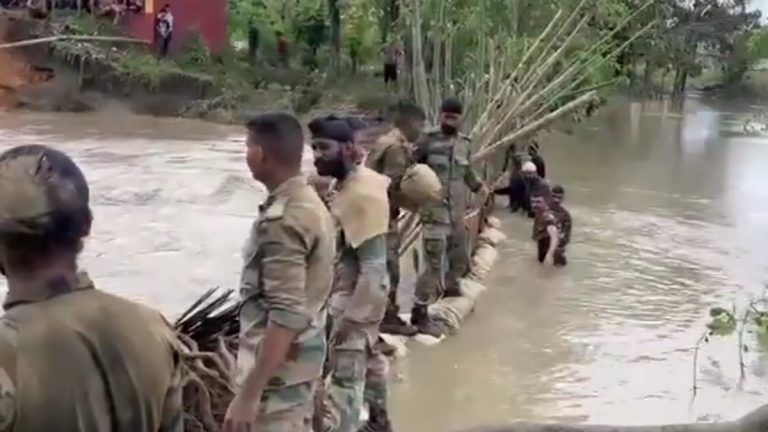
145	68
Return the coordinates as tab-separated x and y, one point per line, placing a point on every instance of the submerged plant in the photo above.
723	321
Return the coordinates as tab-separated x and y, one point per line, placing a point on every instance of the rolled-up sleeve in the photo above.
283	271
395	162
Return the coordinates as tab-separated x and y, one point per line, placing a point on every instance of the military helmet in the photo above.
418	187
42	191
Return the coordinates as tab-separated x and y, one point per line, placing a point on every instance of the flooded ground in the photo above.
670	218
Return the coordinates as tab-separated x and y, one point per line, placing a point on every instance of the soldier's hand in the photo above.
484	192
242	415
549	260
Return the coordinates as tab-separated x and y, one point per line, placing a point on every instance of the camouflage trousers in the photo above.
393	263
447	258
357	375
287	409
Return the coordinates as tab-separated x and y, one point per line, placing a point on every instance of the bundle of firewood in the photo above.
209	330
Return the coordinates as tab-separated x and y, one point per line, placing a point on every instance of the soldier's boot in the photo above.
452	287
426	325
385	348
393	324
378	421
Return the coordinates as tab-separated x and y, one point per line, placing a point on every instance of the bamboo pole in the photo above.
510	80
523	99
533	127
600	62
563	29
586	58
50	39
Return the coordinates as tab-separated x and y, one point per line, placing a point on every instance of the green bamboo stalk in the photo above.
533	127
600	61
563	29
523	99
528	53
581	66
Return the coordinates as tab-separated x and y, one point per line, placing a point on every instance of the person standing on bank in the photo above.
72	357
392	53
391	155
286	282
164	29
361	285
446	246
254	39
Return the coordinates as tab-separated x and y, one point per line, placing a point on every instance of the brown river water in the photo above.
670	218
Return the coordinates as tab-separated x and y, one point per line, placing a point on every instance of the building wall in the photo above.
208	17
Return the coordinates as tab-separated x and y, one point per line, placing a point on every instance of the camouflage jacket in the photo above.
449	157
564	218
287	280
73	358
543	221
361	283
390	155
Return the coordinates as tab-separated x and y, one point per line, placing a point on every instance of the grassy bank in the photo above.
197	84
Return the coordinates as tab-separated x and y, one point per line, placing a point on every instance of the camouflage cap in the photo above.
37	185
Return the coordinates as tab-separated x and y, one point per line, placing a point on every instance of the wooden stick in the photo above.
50	39
533	127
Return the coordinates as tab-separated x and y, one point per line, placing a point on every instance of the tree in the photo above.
334	18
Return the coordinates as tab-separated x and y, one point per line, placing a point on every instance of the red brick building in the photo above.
207	17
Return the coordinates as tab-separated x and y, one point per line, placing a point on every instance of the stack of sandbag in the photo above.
449	312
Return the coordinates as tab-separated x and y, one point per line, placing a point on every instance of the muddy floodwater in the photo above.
670	218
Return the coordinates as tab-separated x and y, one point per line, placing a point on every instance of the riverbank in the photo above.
84	75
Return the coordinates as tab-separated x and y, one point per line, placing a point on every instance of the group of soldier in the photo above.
530	192
319	281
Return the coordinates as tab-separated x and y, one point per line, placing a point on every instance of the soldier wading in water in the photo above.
360	288
72	357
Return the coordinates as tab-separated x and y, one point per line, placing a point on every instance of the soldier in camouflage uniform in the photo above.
547	233
391	155
360	290
445	234
72	358
284	289
563	217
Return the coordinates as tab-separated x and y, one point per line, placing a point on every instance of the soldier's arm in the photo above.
369	298
566	224
286	245
7	401
7	378
554	236
395	162
473	180
420	150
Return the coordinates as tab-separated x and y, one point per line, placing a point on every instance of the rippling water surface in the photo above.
671	218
